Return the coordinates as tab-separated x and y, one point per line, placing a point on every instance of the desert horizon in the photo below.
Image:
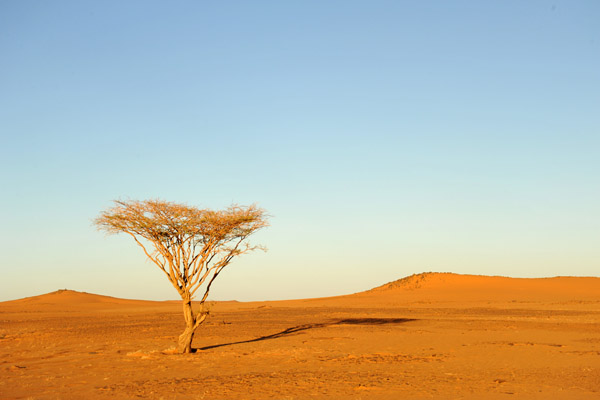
235	200
429	335
423	280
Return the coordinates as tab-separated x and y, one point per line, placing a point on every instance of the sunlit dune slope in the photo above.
447	280
455	287
73	300
426	288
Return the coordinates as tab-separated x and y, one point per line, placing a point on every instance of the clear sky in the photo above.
385	138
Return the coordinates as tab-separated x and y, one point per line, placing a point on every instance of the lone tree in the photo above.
190	245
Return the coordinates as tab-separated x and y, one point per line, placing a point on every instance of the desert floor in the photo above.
429	336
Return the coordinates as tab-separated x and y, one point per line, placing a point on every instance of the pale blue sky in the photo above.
386	138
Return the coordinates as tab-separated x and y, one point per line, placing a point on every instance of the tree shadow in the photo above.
300	328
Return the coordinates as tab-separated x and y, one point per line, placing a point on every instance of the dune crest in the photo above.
415	281
70	296
422	287
67	300
432	280
453	287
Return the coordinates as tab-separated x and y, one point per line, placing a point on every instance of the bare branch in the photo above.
192	246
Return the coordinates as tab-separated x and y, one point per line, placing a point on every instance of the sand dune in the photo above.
441	280
455	290
455	287
439	286
432	335
65	300
65	296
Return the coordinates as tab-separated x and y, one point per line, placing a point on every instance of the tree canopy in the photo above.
190	245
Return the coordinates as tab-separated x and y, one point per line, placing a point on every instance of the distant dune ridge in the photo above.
429	286
429	280
74	300
70	296
450	286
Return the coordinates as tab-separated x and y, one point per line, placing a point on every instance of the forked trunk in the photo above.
192	321
185	339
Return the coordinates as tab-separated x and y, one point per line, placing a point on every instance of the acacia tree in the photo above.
190	245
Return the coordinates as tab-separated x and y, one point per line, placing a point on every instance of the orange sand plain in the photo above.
442	336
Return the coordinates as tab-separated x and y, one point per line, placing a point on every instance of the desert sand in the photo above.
435	335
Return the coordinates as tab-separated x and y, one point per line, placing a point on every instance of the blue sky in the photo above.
385	138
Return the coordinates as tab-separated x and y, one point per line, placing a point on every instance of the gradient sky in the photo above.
385	138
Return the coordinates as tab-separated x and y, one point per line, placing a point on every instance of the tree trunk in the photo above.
192	321
185	339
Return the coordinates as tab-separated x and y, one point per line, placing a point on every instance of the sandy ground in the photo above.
439	336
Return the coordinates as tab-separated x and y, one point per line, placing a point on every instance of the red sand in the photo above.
426	336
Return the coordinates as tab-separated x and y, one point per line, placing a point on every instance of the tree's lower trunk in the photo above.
192	321
185	339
